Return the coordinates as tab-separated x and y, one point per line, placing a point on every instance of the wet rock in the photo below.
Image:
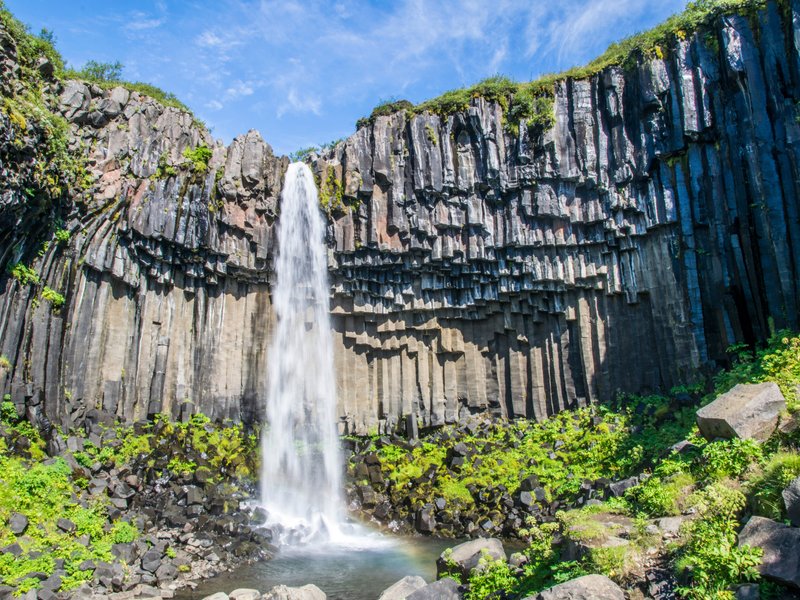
588	587
425	521
306	592
245	594
443	589
465	557
217	596
748	411
403	588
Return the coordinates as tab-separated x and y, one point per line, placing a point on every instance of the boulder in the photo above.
748	411
781	546
17	523
217	596
307	592
444	589
791	498
465	557
403	588
588	587
245	594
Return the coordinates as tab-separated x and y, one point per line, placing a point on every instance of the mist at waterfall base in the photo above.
301	474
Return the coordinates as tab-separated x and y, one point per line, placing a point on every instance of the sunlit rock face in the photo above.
653	226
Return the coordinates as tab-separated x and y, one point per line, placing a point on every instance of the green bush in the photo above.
711	558
101	71
768	484
25	275
491	579
729	458
53	297
198	158
778	361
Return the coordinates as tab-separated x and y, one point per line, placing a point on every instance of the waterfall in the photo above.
301	464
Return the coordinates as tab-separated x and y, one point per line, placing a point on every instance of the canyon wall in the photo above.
625	249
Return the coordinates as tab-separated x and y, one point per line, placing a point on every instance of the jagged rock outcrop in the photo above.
624	249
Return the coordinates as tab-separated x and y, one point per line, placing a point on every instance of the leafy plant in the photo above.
766	487
25	275
198	158
491	579
53	297
711	557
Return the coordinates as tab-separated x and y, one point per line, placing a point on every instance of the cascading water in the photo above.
301	463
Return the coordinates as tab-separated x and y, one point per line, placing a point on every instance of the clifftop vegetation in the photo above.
531	100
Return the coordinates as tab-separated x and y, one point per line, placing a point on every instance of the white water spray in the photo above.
301	464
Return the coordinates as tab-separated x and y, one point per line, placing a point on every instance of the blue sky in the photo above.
302	72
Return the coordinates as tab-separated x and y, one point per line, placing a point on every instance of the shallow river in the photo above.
342	572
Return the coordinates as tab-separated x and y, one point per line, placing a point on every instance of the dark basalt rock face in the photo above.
472	271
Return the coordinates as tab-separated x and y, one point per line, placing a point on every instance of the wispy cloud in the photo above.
299	103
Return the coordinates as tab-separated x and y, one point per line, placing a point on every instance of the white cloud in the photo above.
239	89
214	105
300	103
209	39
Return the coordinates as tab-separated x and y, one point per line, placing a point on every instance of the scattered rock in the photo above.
781	546
748	411
444	589
307	592
17	523
466	556
403	588
791	498
588	587
245	594
65	525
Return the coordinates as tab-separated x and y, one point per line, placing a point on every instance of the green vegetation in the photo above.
101	72
164	169
198	158
62	236
109	75
532	101
53	297
331	192
713	480
303	153
45	492
711	554
31	112
767	483
25	275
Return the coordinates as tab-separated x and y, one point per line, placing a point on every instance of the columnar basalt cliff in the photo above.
473	270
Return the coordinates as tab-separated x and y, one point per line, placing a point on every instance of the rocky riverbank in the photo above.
125	510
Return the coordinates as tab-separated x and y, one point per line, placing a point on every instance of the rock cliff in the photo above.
625	248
